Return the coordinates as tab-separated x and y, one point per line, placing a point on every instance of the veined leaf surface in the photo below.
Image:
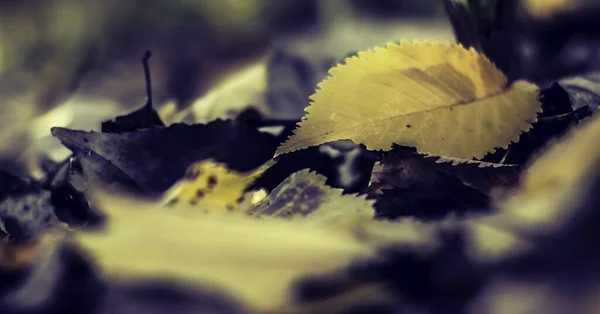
305	196
440	98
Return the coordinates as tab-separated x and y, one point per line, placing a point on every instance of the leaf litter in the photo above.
420	233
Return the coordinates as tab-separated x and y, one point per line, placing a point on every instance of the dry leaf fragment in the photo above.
438	97
304	194
431	187
28	214
212	185
583	90
400	167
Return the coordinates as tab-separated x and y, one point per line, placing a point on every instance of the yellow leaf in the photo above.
213	186
438	97
255	261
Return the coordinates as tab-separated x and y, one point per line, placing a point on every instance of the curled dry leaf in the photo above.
213	186
256	261
440	98
304	194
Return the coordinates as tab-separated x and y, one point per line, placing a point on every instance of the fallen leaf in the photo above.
145	117
347	168
406	184
213	186
440	98
549	183
255	260
559	115
153	159
482	176
26	209
583	90
304	195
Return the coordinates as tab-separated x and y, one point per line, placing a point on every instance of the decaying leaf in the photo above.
429	187
346	167
144	117
482	176
26	210
583	90
256	261
25	216
438	97
213	186
304	194
153	159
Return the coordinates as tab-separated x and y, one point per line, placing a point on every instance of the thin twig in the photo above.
147	56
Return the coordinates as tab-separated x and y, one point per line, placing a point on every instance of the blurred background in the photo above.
75	63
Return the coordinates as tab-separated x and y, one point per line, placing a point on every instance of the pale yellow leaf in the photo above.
211	185
256	261
438	97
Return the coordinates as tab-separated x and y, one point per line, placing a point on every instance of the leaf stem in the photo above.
147	56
